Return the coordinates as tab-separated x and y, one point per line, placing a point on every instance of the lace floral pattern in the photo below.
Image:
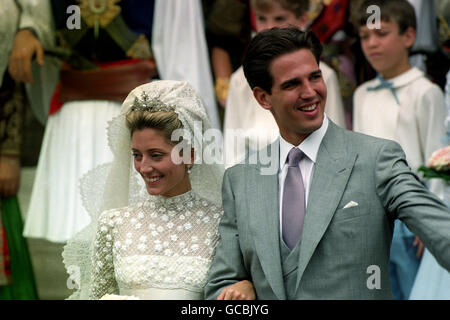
162	243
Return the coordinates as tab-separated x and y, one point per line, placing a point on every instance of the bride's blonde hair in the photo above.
164	121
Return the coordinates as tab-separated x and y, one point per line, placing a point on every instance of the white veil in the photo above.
116	184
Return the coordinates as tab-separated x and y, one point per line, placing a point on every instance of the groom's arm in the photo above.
227	267
403	195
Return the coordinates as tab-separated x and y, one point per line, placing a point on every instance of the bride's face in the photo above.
152	159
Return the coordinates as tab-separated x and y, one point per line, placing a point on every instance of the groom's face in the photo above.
298	96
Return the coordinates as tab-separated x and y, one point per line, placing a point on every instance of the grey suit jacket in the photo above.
344	252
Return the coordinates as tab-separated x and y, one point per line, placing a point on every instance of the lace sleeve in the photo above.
103	278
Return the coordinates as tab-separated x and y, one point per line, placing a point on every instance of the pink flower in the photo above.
440	159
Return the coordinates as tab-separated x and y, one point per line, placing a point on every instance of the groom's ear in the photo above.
262	97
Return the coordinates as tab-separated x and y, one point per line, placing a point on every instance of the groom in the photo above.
321	226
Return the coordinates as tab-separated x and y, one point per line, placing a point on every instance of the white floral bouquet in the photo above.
438	165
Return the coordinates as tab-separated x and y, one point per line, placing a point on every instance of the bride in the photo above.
154	229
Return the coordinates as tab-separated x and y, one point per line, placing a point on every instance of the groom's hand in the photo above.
242	290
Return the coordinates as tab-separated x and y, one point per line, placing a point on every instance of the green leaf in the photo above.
430	173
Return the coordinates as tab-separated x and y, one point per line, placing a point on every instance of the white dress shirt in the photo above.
310	147
417	123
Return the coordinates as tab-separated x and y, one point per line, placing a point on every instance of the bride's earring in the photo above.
189	169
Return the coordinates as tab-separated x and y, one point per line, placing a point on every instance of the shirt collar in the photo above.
406	77
309	146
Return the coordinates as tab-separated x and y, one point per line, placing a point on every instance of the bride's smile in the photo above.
152	159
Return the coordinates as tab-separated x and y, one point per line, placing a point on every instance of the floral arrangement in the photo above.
438	165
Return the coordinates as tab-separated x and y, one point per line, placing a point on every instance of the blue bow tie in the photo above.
385	85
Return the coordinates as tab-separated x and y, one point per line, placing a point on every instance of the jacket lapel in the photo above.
333	167
262	190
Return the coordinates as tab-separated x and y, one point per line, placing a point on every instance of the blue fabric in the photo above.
403	262
385	85
432	281
138	15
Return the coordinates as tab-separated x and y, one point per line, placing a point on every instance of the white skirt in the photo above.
75	142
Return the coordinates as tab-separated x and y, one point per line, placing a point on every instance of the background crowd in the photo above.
61	85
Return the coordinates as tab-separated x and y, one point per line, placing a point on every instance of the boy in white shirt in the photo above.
243	114
400	104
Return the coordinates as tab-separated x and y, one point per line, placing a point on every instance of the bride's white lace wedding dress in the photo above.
152	247
157	249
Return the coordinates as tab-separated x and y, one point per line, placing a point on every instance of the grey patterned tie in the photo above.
293	209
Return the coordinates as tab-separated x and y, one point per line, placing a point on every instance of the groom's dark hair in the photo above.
270	44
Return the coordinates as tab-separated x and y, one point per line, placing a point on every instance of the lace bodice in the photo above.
162	243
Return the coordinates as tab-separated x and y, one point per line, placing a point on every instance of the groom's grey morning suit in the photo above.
360	185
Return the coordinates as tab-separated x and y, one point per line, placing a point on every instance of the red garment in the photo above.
56	103
332	18
5	265
252	19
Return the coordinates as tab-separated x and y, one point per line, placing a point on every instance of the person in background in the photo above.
16	271
427	53
228	29
400	104
116	46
